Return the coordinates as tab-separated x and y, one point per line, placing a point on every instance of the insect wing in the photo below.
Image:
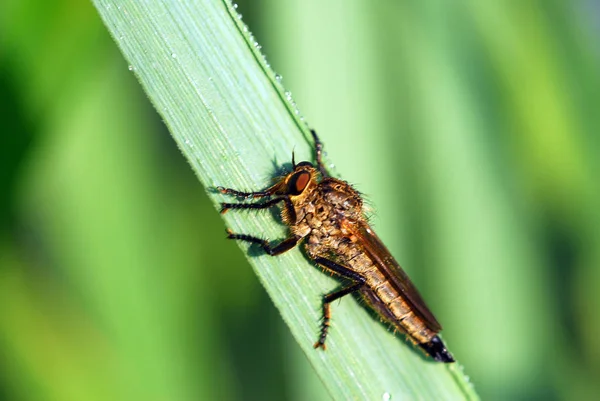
384	260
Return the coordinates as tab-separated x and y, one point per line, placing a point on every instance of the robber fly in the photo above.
327	215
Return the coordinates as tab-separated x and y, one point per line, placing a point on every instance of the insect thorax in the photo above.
321	214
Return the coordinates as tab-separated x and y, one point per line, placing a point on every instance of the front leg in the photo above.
242	194
273	190
289	206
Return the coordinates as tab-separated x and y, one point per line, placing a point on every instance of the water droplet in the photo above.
173	55
235	6
130	67
386	396
278	77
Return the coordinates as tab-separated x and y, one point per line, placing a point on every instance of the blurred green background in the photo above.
470	126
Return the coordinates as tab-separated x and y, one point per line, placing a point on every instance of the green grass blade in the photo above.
232	120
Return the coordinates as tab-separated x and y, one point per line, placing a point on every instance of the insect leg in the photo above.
327	300
265	205
257	194
319	152
272	250
357	282
242	194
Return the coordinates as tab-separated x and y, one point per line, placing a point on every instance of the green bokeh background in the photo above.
469	125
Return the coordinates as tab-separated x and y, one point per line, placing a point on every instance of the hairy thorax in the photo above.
322	217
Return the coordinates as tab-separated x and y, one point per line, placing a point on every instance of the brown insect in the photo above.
327	215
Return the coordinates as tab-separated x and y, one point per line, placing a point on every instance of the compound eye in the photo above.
298	183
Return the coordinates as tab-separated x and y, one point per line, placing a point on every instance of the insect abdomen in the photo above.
390	299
